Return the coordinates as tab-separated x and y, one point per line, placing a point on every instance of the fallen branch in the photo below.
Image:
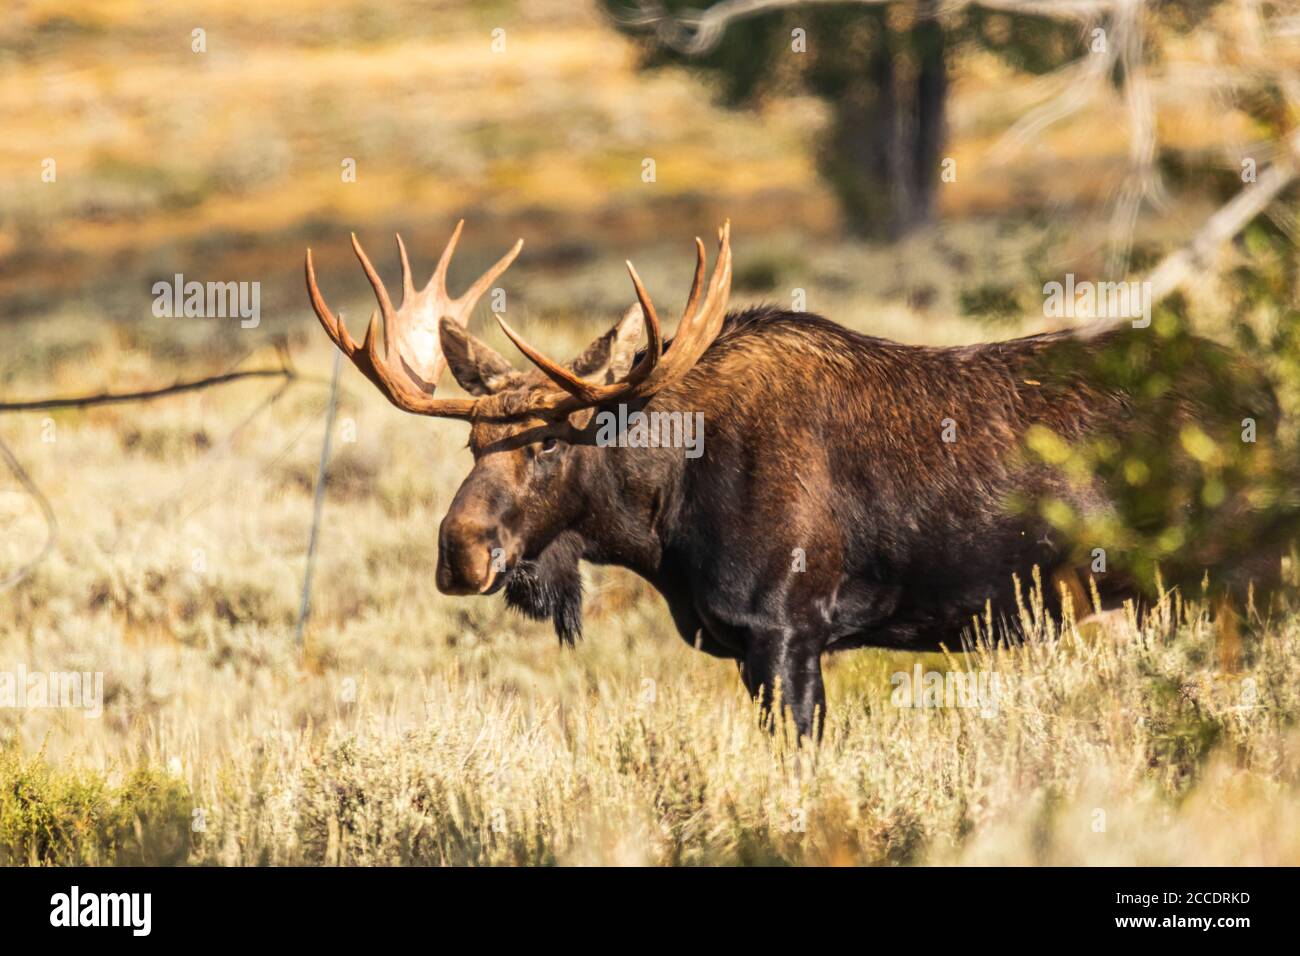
112	398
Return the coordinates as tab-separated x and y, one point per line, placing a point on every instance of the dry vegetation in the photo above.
415	728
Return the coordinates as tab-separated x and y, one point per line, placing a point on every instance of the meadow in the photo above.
414	728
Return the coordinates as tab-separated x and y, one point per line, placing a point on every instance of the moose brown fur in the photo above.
852	491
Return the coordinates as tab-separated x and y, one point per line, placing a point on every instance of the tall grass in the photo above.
415	728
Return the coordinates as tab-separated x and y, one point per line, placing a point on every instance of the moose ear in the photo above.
478	368
609	358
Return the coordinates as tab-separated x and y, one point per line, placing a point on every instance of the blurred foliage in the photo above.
54	818
1203	474
883	72
990	301
1223	498
1034	45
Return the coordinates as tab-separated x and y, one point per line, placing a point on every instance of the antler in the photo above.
700	324
407	373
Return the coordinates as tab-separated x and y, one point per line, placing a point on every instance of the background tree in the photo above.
882	69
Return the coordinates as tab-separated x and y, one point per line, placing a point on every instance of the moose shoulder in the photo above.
845	491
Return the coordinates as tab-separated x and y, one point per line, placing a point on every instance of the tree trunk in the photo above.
931	115
883	150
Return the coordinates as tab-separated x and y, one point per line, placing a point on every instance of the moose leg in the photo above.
784	663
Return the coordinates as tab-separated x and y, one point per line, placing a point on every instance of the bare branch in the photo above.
1081	80
1143	181
112	398
1178	267
697	32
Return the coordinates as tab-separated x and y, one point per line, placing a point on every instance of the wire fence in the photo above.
288	376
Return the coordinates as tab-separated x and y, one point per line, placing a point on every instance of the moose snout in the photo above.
470	558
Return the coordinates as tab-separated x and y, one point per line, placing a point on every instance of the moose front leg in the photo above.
785	663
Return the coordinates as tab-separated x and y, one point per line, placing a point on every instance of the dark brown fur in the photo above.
818	442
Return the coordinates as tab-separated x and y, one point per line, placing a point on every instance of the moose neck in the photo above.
633	496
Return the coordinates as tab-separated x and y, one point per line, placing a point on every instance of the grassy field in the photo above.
416	728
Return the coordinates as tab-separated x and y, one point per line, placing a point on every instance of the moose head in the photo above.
537	468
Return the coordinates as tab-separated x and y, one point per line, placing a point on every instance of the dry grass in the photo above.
422	729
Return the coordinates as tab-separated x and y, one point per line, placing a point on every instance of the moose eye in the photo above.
549	445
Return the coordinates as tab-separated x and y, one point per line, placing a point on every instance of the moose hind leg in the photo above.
782	663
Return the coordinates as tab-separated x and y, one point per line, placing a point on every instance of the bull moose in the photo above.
826	511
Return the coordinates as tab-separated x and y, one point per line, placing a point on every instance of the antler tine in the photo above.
368	343
700	325
693	312
698	282
439	279
702	320
334	328
654	339
720	296
376	283
557	373
647	307
323	313
654	334
715	302
466	302
399	392
381	293
408	287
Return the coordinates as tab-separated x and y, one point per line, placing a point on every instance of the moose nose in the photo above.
465	558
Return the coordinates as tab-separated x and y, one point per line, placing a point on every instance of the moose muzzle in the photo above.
470	557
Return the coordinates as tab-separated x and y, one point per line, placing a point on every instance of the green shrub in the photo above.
56	818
